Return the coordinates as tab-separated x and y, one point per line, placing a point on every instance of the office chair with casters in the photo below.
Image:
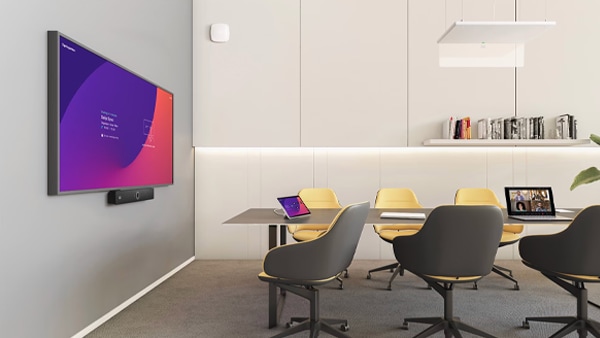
394	198
457	244
299	267
569	259
316	198
511	232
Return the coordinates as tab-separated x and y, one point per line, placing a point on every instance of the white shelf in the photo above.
505	143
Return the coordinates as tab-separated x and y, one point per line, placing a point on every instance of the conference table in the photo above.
267	216
275	221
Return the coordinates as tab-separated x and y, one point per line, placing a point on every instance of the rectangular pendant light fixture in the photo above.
488	43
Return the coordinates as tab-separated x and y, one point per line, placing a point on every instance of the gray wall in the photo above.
68	260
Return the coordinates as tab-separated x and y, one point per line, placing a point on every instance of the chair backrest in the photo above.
575	250
483	196
455	240
476	196
319	198
396	198
316	198
323	257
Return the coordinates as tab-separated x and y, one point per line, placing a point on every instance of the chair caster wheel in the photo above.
345	327
369	276
525	324
404	326
475	287
346	274
517	287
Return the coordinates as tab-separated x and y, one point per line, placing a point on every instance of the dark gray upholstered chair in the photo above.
570	259
457	244
299	267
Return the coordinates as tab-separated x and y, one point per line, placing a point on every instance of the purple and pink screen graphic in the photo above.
115	127
294	206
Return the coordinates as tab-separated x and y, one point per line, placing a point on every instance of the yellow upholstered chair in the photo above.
314	198
569	259
511	232
394	198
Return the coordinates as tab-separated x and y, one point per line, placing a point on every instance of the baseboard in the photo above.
128	302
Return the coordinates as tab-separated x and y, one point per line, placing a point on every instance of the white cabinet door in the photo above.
354	81
437	93
247	90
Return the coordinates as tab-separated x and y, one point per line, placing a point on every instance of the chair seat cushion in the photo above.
567	276
509	238
453	279
305	235
389	235
263	276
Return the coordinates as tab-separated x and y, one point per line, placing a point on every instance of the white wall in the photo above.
336	96
68	260
231	180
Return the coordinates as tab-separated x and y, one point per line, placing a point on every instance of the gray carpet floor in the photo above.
225	299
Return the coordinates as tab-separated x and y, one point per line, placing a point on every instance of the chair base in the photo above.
325	325
582	326
451	327
394	267
502	272
580	323
314	323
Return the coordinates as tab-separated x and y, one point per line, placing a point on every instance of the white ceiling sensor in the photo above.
219	32
495	31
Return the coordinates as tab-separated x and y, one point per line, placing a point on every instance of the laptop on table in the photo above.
293	207
532	204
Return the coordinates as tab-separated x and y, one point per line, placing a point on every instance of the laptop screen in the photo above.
529	201
293	206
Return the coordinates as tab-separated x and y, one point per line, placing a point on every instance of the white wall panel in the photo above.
247	90
437	93
561	67
283	172
434	174
229	181
354	175
222	192
354	84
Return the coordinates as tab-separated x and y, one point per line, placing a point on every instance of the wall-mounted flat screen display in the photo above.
108	128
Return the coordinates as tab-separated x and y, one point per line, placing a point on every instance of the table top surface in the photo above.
324	216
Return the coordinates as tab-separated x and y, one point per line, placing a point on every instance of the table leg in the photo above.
272	236
272	305
272	287
282	234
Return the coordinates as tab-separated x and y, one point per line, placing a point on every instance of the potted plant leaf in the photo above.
590	174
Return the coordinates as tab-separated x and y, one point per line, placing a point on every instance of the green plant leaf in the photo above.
595	138
588	175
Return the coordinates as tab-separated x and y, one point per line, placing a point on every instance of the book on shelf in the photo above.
455	128
566	127
510	128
